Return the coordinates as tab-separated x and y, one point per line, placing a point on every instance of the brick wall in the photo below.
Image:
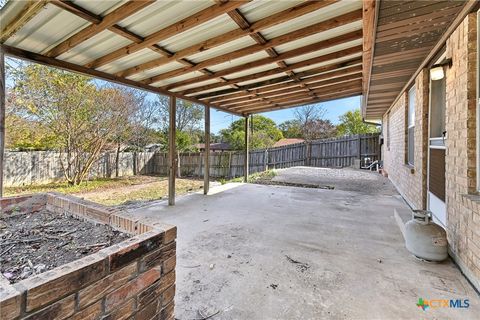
463	207
409	180
132	279
462	200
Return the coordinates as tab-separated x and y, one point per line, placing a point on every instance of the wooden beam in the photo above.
109	20
468	7
292	36
286	55
38	58
327	89
30	9
173	29
286	88
121	31
206	164
246	159
282	85
306	101
370	19
259	75
275	19
172	150
3	92
229	93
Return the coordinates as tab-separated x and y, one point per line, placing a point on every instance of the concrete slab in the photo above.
236	246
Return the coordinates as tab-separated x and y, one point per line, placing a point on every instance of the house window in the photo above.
411	126
388	131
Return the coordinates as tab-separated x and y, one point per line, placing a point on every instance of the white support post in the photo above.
247	153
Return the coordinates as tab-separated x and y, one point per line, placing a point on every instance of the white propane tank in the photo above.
424	238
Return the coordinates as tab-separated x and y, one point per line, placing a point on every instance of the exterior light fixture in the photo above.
437	73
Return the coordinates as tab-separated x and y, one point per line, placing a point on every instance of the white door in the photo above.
436	152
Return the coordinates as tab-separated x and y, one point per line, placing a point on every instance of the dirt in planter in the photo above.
34	243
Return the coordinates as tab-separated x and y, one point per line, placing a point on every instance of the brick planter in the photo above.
131	279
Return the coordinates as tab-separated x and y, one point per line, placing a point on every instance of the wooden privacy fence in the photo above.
22	168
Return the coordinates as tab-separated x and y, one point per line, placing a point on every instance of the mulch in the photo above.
34	243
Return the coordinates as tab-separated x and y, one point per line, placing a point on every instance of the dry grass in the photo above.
115	191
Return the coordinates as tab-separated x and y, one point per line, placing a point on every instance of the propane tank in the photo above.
424	238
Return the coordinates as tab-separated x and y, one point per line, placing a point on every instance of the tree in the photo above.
82	117
291	129
189	115
351	122
311	122
318	129
309	113
264	133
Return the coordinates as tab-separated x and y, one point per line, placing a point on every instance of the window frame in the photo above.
410	126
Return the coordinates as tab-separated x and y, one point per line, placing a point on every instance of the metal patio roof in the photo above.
239	56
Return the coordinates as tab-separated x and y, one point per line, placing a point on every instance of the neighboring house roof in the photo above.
285	142
214	146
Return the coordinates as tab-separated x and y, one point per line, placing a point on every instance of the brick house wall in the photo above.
462	200
409	180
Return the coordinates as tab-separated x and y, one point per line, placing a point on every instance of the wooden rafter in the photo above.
271	72
280	89
87	15
30	9
291	36
108	21
283	16
180	26
295	102
328	87
283	83
286	55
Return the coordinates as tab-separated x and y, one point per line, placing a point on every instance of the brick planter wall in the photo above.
131	279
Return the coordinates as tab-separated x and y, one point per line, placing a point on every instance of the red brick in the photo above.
90	313
168	295
125	311
131	288
167	312
10	302
55	284
158	256
106	285
59	310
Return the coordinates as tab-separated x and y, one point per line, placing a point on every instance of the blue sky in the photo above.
335	108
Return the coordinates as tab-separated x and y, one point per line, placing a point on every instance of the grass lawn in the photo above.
115	191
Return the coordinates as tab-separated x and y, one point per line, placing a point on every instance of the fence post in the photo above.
360	149
266	159
308	153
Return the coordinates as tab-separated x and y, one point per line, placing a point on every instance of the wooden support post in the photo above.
206	169
247	154
172	153
3	91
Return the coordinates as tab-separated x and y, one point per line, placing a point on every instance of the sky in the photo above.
335	108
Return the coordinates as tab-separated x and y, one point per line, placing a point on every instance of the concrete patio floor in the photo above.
237	248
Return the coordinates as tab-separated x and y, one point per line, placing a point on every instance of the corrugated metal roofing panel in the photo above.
262	79
49	26
130	60
182	77
318	53
162	14
198	34
239	61
313	66
252	71
100	7
257	10
319	37
222	49
94	47
210	90
195	85
323	14
158	70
